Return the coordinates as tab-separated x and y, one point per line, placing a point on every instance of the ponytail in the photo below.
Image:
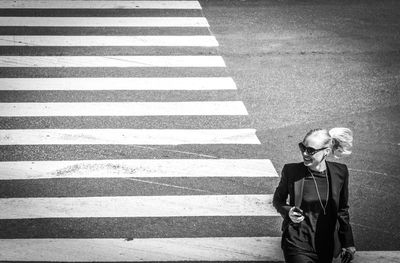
342	141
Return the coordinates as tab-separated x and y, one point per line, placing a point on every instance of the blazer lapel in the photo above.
334	182
298	187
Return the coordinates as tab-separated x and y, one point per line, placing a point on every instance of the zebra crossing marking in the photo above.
228	249
95	41
185	108
137	206
139	168
51	4
187	83
127	136
111	61
139	250
103	21
162	249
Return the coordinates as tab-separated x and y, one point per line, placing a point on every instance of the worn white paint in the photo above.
228	249
189	83
76	4
377	257
128	136
92	41
111	61
38	21
137	206
187	108
142	168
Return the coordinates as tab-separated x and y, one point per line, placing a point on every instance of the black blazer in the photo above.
291	183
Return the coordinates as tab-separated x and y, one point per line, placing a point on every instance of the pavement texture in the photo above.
297	64
322	64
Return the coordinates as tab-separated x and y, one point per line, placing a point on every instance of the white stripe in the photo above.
141	168
104	21
117	84
127	136
228	249
157	41
187	108
377	257
44	4
111	61
137	206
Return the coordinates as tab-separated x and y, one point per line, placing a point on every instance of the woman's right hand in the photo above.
296	214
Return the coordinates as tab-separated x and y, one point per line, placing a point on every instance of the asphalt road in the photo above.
297	65
322	64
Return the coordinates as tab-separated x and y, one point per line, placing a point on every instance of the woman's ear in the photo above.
328	151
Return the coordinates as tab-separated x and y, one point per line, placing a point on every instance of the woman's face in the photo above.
314	159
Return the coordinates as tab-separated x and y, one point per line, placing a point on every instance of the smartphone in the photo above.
298	210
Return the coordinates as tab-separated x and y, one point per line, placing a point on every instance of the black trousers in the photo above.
306	258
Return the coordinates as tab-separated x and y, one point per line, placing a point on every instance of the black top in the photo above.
315	233
289	192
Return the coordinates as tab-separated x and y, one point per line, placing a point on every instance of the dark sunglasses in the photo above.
309	150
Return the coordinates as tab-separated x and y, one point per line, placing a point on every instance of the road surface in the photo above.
156	130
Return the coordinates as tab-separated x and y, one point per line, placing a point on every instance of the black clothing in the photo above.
301	258
313	236
318	235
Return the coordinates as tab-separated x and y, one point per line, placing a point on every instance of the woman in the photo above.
316	225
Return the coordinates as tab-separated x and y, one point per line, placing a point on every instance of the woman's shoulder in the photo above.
340	166
292	166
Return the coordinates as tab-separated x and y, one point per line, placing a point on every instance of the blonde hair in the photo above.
339	140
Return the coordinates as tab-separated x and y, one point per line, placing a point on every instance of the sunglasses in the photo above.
309	150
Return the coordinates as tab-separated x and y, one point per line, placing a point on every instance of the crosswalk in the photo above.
157	41
122	138
128	136
104	21
122	108
111	61
137	206
168	84
155	250
140	168
76	4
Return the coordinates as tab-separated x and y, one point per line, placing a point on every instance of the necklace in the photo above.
327	191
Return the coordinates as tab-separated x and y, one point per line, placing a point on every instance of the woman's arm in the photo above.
345	230
281	194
